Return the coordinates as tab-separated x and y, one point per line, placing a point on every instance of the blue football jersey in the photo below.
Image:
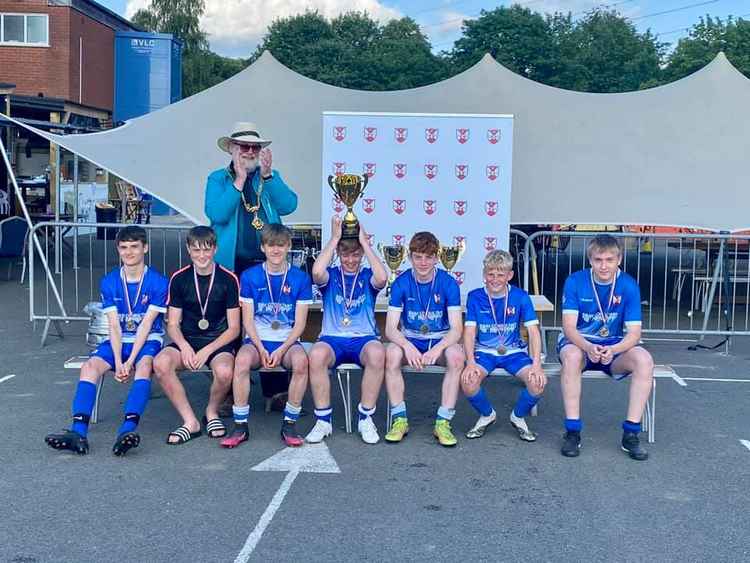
153	297
362	307
425	304
279	307
518	309
578	299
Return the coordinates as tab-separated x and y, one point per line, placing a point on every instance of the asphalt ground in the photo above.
492	499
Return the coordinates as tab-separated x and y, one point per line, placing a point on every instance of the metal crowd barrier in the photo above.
73	268
691	284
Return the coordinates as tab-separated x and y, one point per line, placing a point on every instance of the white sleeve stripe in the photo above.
531	322
247	300
634	323
570	311
394	308
112	309
304	301
153	307
454	308
470	323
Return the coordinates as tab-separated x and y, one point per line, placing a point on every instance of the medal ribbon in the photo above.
611	296
276	305
202	305
419	294
500	334
348	301
137	292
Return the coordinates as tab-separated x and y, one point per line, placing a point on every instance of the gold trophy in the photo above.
348	188
450	255
393	255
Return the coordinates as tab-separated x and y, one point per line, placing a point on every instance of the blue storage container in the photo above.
148	73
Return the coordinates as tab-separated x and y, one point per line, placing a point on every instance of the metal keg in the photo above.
98	330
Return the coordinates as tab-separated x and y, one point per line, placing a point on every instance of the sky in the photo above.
235	27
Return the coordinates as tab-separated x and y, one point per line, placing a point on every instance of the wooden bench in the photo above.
551	370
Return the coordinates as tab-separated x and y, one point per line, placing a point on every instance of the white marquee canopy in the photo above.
672	155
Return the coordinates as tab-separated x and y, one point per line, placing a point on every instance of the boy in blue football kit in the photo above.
492	339
426	302
134	298
349	333
597	304
275	299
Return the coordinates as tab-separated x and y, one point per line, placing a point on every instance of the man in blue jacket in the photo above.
245	196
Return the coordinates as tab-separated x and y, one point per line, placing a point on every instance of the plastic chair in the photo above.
13	231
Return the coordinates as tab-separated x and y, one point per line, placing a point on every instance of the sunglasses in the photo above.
247	148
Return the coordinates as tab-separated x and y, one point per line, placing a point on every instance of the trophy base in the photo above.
350	231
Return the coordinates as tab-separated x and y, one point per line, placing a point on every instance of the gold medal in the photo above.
275	325
130	324
502	350
424	329
604	332
203	324
257	223
346	321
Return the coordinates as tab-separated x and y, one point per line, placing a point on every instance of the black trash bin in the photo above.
106	213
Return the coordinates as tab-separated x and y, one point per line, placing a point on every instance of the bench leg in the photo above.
346	397
95	412
652	417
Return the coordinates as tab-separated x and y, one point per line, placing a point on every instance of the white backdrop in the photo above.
445	173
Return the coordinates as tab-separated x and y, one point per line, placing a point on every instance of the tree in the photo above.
706	39
516	37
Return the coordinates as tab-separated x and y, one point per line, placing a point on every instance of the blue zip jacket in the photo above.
223	207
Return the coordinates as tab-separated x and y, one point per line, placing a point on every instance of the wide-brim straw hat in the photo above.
243	132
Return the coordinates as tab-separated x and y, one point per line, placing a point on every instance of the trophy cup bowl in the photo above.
450	255
348	188
393	256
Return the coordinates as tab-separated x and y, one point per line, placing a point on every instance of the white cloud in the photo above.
235	27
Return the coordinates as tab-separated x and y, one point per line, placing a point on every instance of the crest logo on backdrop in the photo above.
493	171
430	206
399	170
337	204
431	171
399	240
490	243
459	240
490	208
339	168
459	276
339	133
462	171
400	134
431	134
368	205
370	134
462	135
459	206
399	206
368	169
493	136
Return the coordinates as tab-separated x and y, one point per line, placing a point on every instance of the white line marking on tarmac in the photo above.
307	459
745	443
717	379
680	381
7	377
692	366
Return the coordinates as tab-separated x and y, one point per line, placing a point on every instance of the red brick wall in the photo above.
54	70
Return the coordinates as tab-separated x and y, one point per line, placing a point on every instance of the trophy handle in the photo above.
365	179
330	182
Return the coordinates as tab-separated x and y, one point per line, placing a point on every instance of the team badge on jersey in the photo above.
462	135
436	297
493	171
370	134
462	171
459	277
616	299
399	170
490	208
431	171
431	134
144	299
400	134
459	207
493	136
510	311
339	133
430	206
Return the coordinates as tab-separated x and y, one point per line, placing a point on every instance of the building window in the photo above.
24	29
